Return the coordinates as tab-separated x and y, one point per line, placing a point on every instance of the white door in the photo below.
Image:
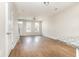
9	31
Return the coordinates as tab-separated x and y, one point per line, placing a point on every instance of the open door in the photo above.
9	28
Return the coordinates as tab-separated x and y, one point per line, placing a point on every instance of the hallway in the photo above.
39	29
39	46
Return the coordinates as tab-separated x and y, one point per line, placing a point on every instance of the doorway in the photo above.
30	27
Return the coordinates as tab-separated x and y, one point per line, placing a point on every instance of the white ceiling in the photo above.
38	9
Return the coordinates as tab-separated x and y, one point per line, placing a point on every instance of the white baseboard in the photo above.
70	41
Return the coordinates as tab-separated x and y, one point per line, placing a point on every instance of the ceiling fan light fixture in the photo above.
46	3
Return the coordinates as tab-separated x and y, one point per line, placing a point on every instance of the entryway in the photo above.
30	27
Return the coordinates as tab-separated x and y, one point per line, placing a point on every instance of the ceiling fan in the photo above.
46	3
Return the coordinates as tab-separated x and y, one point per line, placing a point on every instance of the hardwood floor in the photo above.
39	46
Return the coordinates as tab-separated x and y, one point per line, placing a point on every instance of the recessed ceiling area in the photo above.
39	9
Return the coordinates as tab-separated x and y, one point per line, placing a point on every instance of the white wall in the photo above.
2	29
64	25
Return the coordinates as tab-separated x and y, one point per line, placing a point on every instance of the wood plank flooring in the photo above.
39	46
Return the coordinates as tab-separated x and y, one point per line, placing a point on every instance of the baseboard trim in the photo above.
62	42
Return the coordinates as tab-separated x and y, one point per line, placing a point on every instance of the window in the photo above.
20	22
28	26
36	26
